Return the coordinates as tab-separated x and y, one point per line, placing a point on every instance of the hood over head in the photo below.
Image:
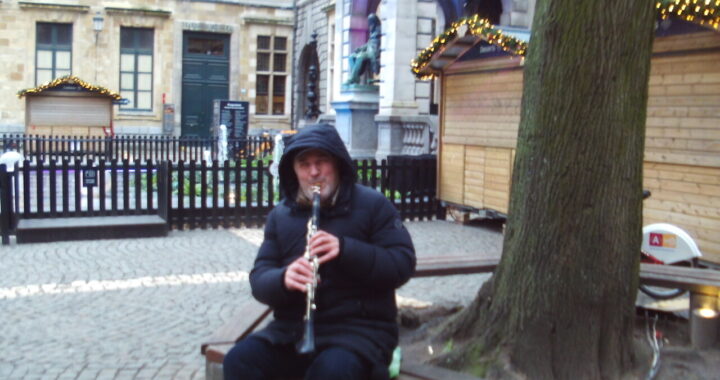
316	136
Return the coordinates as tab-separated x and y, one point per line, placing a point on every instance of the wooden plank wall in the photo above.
452	173
481	113
682	145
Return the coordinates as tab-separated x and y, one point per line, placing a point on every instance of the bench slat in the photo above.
698	280
446	266
241	325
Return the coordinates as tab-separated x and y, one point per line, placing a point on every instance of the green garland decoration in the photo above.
73	80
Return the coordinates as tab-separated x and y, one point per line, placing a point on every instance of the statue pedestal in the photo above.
355	120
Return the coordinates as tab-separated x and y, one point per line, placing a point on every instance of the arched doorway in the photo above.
308	59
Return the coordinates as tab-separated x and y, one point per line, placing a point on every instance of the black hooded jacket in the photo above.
355	300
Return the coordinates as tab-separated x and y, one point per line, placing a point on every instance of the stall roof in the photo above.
461	37
465	33
70	82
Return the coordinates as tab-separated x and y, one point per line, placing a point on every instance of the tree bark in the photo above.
561	304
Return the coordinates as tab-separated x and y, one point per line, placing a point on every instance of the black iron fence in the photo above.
134	148
190	194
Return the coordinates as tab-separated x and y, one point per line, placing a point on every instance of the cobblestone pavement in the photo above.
139	308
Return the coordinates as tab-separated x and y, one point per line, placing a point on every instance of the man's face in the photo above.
316	166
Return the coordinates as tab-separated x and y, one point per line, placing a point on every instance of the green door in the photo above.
205	72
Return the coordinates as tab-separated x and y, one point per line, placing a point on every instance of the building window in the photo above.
53	55
271	75
136	68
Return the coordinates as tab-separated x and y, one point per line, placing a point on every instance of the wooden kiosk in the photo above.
69	106
480	70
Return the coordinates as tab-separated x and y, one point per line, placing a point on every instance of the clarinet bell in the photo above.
307	345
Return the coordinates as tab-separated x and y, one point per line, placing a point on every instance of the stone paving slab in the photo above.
139	308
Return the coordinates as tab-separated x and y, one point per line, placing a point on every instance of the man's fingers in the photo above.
298	274
304	270
325	246
327	257
295	285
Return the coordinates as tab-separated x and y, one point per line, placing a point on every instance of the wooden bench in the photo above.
254	315
698	281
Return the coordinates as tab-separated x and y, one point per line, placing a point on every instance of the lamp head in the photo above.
98	22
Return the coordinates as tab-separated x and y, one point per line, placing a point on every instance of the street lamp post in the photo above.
98	22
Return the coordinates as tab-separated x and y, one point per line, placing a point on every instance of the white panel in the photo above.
44	76
425	26
61	73
62	60
126	81
423	108
44	59
422	89
127	62
144	100
129	95
145	63
144	81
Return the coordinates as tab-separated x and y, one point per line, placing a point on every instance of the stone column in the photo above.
397	89
397	83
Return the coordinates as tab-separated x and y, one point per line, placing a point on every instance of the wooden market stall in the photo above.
69	106
480	70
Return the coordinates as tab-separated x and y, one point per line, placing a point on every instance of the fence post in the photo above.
5	204
163	182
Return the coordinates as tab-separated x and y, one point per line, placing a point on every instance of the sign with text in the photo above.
234	114
90	177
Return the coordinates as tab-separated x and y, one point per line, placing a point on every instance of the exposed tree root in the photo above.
476	348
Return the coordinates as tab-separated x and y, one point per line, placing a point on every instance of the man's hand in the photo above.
325	246
298	274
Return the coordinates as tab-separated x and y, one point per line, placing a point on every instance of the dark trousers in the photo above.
256	359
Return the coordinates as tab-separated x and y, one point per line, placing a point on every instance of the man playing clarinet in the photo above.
364	253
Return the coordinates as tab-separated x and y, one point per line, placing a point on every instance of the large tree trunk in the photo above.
561	304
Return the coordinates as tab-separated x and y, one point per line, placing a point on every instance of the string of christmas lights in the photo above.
703	12
69	79
476	26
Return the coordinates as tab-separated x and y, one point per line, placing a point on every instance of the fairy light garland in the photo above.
70	79
476	26
703	12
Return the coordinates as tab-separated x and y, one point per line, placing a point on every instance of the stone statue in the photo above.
365	60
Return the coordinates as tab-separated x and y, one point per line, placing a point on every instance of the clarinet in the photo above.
307	344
